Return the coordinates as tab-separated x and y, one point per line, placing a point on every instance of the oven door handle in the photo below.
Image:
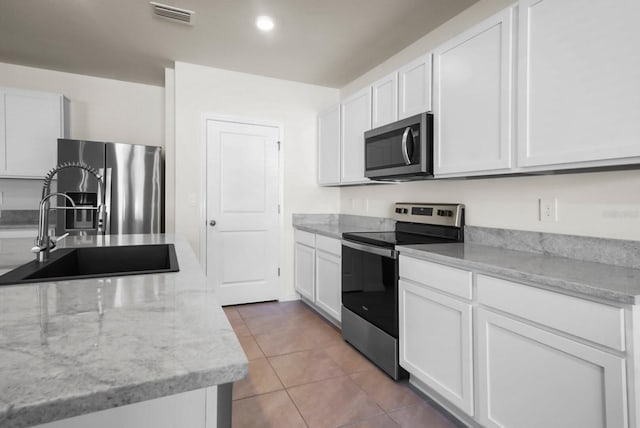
384	252
405	151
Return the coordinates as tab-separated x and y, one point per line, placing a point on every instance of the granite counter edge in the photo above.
110	398
311	229
531	279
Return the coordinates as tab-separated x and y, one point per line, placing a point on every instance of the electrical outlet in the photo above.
548	209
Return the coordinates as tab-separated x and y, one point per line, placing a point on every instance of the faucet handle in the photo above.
61	237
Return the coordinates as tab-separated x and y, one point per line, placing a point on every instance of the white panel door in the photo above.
242	211
579	91
328	280
472	106
329	146
32	122
385	100
415	87
356	118
530	378
304	270
435	342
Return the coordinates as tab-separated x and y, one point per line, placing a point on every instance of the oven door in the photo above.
370	284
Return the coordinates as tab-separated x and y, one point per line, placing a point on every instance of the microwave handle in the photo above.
405	153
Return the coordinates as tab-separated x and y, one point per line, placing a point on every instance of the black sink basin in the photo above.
96	262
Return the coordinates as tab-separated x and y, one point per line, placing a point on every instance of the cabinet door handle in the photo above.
212	222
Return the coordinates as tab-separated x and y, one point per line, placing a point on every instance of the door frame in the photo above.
206	117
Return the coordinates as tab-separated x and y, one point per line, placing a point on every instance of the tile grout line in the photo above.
286	390
344	374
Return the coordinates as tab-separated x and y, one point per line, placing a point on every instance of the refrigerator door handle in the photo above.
107	203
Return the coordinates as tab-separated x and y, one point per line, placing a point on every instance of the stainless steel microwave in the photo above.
400	151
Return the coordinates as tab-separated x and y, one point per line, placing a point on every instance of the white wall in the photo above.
605	204
293	105
100	109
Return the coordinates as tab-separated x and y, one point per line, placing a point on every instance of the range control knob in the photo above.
399	210
445	213
405	211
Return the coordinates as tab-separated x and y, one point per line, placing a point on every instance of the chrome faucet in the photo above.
44	244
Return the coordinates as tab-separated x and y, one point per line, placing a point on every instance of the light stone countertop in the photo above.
334	225
333	230
73	347
615	283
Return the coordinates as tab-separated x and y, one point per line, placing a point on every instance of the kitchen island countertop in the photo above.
74	347
599	280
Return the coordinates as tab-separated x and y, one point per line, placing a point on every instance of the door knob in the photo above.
212	222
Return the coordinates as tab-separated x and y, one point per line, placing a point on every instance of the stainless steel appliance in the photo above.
133	194
400	151
370	277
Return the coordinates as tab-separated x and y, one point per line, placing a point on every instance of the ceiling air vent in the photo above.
172	13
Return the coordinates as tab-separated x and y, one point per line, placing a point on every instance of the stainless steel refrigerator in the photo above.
134	187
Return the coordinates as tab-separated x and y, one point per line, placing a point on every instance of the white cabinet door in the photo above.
415	87
304	259
435	342
356	118
31	123
328	280
579	92
329	146
385	100
473	90
532	378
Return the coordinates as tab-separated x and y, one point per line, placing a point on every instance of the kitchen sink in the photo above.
96	262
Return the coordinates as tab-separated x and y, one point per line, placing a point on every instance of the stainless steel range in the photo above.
370	277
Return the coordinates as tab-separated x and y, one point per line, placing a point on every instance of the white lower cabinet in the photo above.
304	264
328	276
436	342
318	272
529	377
503	354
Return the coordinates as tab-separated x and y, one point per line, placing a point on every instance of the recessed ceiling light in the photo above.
264	23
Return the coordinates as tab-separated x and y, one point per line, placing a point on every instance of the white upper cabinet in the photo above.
385	100
415	87
329	146
578	88
355	119
472	99
30	124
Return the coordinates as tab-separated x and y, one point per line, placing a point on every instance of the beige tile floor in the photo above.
302	374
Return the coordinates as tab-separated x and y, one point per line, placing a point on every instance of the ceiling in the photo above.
323	42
